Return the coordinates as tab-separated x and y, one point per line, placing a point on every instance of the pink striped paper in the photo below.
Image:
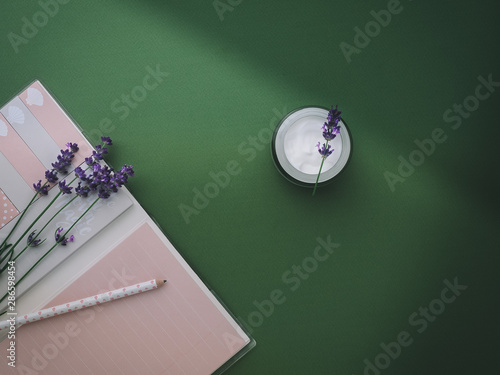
54	120
19	155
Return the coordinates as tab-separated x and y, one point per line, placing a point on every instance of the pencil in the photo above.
80	304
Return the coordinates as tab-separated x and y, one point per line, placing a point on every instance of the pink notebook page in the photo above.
54	120
19	154
176	329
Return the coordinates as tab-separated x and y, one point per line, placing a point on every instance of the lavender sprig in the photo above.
331	129
60	165
325	151
64	189
41	189
61	238
32	241
100	180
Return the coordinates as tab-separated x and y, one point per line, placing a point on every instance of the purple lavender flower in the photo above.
51	176
107	140
80	173
107	181
66	240
120	177
102	174
61	239
102	179
129	170
96	169
328	133
41	189
103	193
333	117
58	234
99	152
324	151
331	127
32	241
59	166
63	161
96	177
67	155
72	146
65	189
92	182
330	130
82	191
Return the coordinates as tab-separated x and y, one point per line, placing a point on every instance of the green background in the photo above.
228	79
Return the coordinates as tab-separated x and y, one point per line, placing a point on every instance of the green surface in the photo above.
227	81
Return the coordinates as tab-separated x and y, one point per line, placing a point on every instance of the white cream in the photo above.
300	145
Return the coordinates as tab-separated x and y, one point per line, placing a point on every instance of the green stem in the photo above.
34	222
38	217
4	242
6	265
52	248
4	246
81	216
26	274
45	226
319	173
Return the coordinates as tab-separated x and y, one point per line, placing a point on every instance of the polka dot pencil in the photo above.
97	299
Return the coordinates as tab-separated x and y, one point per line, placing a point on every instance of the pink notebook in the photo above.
180	328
